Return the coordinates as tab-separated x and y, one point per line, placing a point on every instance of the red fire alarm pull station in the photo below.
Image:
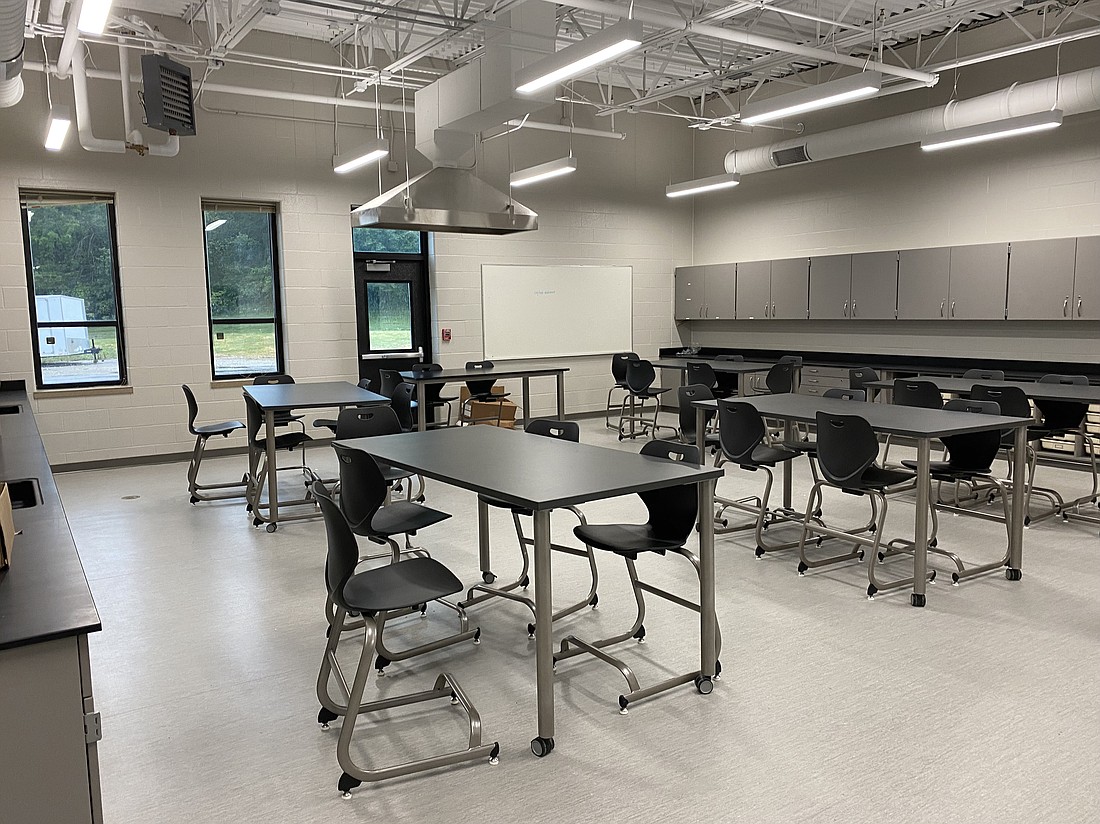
446	334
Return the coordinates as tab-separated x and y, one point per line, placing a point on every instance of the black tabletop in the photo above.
883	417
1033	389
734	367
501	370
528	470
283	396
44	595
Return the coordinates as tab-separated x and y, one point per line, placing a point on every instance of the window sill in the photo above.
71	392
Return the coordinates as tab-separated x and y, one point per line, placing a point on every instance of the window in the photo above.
242	277
386	241
71	251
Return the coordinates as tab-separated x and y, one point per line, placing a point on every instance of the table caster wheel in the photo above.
347	784
1027	520
530	630
526	582
859	557
1013	574
760	552
954	579
703	684
380	664
494	755
477	636
916	600
325	716
542	747
595	600
271	527
194	500
717	670
871	590
640	634
802	567
624	702
488	577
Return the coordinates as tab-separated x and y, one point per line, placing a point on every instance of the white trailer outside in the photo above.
66	340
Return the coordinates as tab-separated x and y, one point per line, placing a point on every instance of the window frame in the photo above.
116	280
276	321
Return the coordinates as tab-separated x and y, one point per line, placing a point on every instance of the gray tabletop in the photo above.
509	370
285	396
734	367
1033	389
883	417
528	470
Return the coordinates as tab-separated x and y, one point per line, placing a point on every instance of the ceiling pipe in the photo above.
1010	51
13	15
1073	93
56	13
70	41
557	127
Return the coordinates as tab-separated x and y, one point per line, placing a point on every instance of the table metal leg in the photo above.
526	399
920	529
788	436
742	384
707	619
421	407
701	440
272	468
483	541
544	641
1019	504
561	396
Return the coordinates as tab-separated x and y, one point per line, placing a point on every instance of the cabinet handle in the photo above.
765	310
773	310
845	309
1065	307
952	308
853	308
1079	303
942	304
700	311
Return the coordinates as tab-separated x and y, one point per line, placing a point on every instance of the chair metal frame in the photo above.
200	492
618	373
640	376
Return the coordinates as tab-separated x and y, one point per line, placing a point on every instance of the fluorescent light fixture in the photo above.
93	16
544	171
369	152
821	96
1009	127
703	184
58	127
214	224
594	50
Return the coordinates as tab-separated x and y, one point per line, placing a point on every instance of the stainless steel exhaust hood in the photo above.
446	200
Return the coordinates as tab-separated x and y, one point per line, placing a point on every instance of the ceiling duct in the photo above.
12	15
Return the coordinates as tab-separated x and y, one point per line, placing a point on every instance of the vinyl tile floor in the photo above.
982	707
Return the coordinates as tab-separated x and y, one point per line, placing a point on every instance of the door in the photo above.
721	292
690	297
1086	280
830	287
790	288
924	276
875	286
754	289
979	281
1040	279
392	315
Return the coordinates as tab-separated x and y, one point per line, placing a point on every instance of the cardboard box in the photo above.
7	527
483	412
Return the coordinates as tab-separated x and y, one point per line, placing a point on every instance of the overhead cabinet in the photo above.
953	283
690	298
773	289
706	292
874	286
1054	279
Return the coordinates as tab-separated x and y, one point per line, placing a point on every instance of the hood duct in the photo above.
446	200
12	16
1074	93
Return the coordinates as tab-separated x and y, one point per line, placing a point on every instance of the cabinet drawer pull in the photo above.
1065	307
952	308
1079	304
942	304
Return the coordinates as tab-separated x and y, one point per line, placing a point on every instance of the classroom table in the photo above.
500	372
740	368
542	474
924	426
284	397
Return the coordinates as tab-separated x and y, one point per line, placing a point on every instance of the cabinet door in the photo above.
830	287
689	292
1040	279
979	281
1086	280
874	286
790	288
721	292
924	276
754	290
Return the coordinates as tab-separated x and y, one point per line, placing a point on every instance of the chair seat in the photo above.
1034	433
288	440
875	477
401	585
403	516
224	428
624	539
646	394
944	471
802	447
765	455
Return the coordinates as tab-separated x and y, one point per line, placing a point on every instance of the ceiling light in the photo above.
214	224
821	96
594	50
93	16
1009	127
374	149
58	127
544	171
703	184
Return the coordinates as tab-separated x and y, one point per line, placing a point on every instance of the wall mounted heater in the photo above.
169	106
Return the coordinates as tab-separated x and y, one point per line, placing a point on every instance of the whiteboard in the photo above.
556	311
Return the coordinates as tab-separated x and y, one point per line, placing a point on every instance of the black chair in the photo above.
283	417
846	453
433	395
984	374
640	376
687	395
404	406
618	374
330	423
481	391
388	380
547	428
364	493
1061	418
859	377
257	461
809	447
673	512
742	436
203	433
703	374
728	382
369	422
914	392
778	381
375	595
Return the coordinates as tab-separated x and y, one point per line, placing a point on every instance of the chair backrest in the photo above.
859	377
686	395
253	420
550	428
192	408
401	402
845	394
479	364
428	367
740	430
268	380
362	488
672	510
912	392
793	360
1063	415
973	451
985	374
366	422
364	383
618	366
343	551
1011	400
639	375
1065	380
846	447
780	379
431	391
390	380
480	388
738	358
701	374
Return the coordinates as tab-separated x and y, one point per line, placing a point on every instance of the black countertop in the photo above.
44	595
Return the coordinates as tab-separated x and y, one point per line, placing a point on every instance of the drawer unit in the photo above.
816	379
